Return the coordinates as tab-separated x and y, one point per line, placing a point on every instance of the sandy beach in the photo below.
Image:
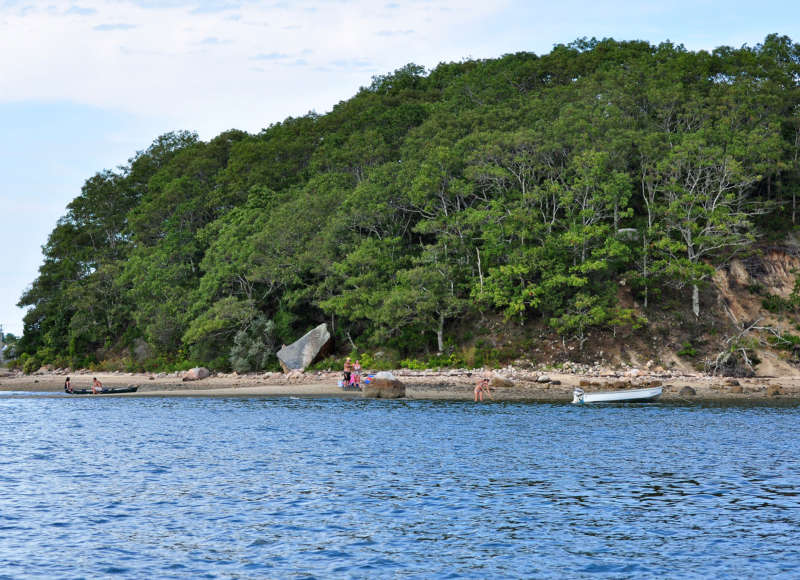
428	385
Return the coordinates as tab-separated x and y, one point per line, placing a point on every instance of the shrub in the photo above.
785	341
253	346
688	350
413	364
30	364
739	360
776	304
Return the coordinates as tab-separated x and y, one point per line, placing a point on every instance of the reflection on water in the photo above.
176	488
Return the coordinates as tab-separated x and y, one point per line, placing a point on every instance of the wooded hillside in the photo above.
526	187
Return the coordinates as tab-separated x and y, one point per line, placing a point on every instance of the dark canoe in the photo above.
105	391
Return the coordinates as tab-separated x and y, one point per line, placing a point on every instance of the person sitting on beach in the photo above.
480	388
356	376
97	386
348	369
67	386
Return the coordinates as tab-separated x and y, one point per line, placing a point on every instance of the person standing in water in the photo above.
480	388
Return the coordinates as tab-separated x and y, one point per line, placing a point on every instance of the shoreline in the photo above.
427	385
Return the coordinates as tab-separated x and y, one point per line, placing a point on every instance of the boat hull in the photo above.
104	391
630	396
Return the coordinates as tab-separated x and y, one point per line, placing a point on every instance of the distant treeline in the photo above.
527	186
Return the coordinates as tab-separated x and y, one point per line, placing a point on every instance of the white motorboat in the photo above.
627	396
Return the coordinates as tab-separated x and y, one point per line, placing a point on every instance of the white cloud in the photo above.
117	26
195	62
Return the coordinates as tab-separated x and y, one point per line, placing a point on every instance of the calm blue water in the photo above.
300	488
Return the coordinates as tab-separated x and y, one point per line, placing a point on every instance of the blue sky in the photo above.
86	84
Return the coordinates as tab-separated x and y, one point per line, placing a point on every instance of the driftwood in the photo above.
738	360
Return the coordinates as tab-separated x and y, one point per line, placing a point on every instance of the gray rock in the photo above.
498	381
687	391
303	352
196	374
383	387
543	379
141	350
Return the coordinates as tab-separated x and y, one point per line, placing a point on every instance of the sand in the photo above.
428	385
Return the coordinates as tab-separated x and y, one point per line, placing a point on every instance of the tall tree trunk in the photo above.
696	300
644	271
480	272
440	334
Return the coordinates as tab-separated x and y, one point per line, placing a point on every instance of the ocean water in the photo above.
317	488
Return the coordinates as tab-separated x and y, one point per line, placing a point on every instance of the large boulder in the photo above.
384	386
196	374
304	351
497	381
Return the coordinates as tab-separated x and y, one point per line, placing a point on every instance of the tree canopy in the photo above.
524	186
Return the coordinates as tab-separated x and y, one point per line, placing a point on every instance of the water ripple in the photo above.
313	488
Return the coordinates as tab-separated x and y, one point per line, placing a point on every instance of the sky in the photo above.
84	85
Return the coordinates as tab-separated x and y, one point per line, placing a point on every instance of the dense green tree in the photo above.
536	186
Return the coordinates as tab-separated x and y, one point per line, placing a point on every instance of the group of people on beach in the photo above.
352	374
97	386
352	378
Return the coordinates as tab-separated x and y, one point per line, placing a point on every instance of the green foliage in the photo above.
785	341
30	364
687	350
775	304
778	304
413	364
525	185
375	361
451	360
253	346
